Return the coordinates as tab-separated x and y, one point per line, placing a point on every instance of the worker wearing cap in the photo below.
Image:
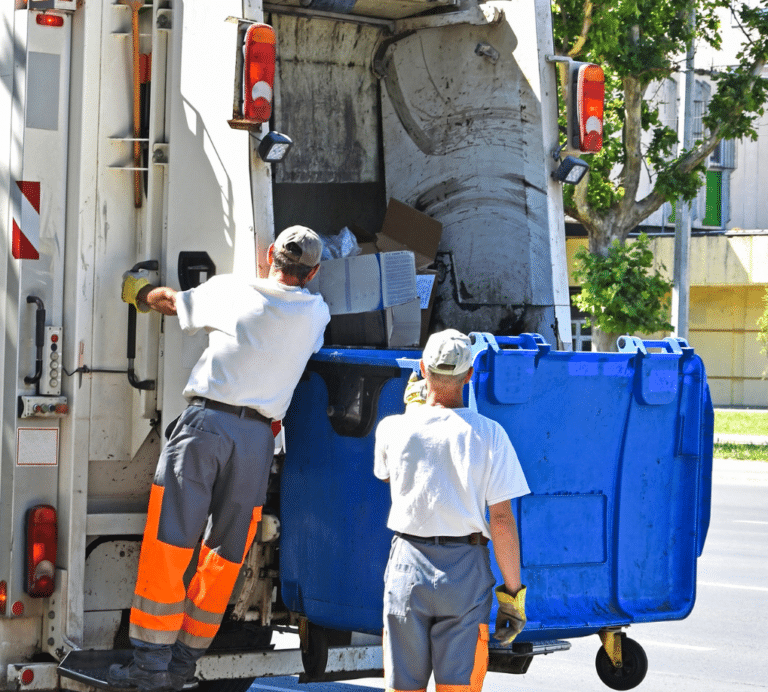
445	465
211	479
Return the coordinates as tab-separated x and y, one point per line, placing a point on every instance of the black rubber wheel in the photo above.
316	657
631	673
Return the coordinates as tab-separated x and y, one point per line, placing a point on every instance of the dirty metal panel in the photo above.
464	143
326	100
286	662
386	9
110	575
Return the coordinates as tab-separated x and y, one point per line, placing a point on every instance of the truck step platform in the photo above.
278	669
91	666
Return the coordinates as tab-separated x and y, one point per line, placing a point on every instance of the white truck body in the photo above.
447	106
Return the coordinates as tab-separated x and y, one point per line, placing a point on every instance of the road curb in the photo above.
741	439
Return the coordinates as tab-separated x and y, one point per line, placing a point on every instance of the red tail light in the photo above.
50	19
259	77
41	550
590	99
3	597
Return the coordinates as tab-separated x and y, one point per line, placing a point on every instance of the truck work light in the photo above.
274	147
571	170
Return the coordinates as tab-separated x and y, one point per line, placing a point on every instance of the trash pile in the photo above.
379	288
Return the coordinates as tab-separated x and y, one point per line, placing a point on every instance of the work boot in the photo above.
182	679
130	676
182	666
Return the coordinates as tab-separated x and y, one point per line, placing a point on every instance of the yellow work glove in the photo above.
133	282
415	391
510	618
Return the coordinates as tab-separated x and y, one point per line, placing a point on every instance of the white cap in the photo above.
448	353
300	244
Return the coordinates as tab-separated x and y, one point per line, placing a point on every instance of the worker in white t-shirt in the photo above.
211	479
446	465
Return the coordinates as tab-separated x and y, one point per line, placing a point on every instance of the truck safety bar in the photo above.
39	340
134	381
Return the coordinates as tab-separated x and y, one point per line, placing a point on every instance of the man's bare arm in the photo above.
506	544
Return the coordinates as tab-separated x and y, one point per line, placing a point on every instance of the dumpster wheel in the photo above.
634	666
314	650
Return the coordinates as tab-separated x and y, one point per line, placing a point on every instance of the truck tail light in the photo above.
42	537
3	597
46	19
585	116
259	72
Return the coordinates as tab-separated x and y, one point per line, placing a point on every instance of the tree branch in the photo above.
694	157
585	27
633	156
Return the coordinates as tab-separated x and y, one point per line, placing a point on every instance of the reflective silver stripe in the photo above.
193	641
150	607
152	636
206	617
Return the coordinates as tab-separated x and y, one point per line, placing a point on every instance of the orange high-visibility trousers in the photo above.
211	478
163	610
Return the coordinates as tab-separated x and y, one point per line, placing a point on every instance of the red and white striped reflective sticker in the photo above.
26	232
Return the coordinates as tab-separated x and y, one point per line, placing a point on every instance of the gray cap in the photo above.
300	244
448	353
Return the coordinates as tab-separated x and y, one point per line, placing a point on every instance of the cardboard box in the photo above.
364	283
404	228
425	286
360	329
398	326
403	323
373	297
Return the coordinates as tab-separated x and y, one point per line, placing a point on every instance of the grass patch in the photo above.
741	422
744	452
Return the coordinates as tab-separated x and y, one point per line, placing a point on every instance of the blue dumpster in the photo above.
616	447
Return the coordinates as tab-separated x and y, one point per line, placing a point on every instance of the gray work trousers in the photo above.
437	599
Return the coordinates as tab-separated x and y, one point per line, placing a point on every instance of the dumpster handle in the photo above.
633	344
527	341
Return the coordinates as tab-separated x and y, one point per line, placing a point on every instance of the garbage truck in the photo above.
178	137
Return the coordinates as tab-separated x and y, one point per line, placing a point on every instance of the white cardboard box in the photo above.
365	283
403	324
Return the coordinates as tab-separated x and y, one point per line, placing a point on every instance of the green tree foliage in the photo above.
619	293
638	43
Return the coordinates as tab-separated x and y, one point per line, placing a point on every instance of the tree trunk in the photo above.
604	342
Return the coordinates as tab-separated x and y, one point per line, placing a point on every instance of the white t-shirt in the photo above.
261	334
445	466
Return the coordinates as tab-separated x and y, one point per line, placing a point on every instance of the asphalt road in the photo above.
723	645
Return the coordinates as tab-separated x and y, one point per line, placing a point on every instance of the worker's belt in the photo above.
239	411
476	538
